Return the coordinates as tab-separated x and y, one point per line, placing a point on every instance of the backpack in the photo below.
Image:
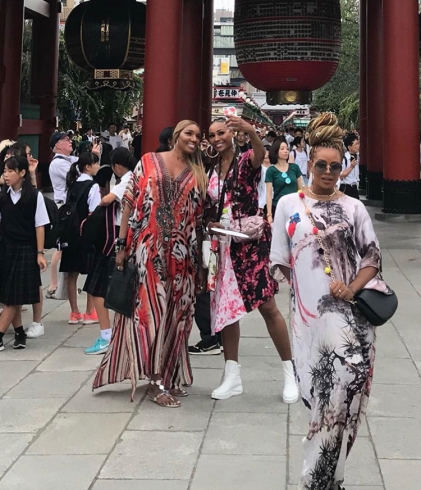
69	220
51	230
98	230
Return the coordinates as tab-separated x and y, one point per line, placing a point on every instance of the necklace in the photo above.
322	195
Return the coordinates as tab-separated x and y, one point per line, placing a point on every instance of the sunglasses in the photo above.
321	167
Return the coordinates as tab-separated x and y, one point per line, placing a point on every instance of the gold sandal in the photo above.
171	403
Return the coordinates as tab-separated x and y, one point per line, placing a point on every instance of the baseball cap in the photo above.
105	135
6	143
57	136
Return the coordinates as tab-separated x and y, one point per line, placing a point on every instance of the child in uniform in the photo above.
122	163
82	188
23	216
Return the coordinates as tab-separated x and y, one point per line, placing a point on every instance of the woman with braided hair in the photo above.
324	243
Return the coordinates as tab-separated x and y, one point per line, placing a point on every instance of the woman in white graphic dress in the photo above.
334	346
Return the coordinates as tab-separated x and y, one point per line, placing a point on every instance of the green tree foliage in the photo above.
74	102
343	88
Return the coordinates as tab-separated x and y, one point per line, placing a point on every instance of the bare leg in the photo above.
102	312
72	290
37	308
277	328
90	306
55	259
231	341
17	319
8	316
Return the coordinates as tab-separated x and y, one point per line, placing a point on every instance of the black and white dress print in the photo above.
334	346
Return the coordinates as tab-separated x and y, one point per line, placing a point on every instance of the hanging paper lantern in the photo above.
287	45
107	37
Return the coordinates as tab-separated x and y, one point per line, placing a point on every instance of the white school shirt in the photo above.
41	215
261	188
59	168
119	190
301	159
94	196
354	176
126	139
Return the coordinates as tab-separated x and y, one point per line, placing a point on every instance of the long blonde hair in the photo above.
194	160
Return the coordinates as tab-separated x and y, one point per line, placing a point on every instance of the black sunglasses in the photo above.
321	167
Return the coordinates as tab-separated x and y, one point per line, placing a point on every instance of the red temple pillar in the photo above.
12	23
402	186
363	95
190	88
207	66
374	76
162	69
45	54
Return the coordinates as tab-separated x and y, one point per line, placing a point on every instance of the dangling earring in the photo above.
207	152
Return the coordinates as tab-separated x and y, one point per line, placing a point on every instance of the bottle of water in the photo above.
225	223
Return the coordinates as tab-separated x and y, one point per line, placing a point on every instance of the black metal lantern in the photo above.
107	37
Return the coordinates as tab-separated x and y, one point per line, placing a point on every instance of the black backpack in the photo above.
98	230
51	230
69	224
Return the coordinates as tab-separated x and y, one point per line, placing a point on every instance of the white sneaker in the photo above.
35	330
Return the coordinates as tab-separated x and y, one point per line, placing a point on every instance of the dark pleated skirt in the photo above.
99	278
76	262
20	276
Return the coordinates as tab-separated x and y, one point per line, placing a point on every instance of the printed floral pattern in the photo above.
334	345
242	281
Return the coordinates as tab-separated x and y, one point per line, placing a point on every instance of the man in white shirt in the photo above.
115	140
126	137
350	175
61	144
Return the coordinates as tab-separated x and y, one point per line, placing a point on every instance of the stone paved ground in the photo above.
55	434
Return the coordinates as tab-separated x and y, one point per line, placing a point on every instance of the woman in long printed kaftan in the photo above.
162	243
334	346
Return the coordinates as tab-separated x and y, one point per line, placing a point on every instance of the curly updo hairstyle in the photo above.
325	132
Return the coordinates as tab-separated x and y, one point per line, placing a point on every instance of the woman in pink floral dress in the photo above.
242	281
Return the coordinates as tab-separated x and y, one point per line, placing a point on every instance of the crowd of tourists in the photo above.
205	229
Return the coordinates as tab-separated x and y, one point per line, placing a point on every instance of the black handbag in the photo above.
375	306
121	290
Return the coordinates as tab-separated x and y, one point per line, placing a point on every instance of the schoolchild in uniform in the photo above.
122	163
74	262
23	216
36	328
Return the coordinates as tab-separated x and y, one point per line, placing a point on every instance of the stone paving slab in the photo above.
141	485
80	433
401	474
52	473
154	456
237	472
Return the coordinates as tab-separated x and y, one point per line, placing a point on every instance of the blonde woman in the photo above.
324	242
161	232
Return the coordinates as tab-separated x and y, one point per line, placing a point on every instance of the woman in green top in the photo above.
282	178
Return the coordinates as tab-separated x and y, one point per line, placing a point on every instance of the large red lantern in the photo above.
107	37
287	45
